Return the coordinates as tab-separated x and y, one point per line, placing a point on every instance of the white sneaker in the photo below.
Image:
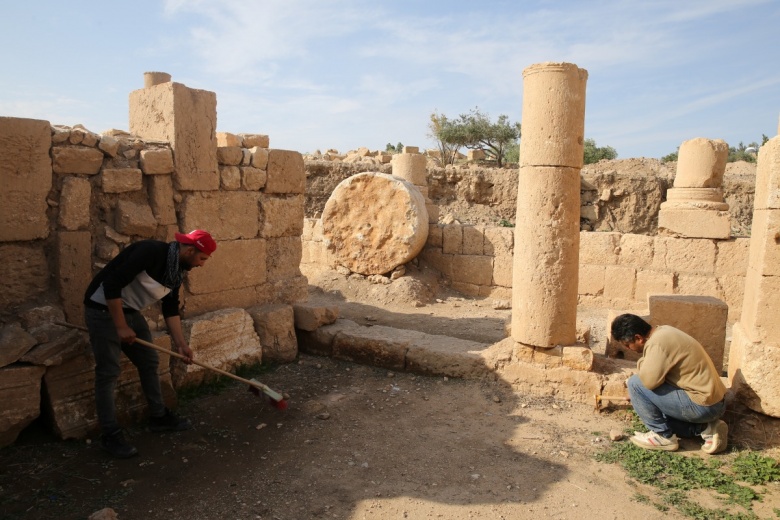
653	441
716	437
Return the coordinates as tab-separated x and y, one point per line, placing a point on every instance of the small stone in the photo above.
496	399
616	435
323	416
260	426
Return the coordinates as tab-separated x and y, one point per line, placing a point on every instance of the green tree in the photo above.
593	154
398	148
439	130
476	131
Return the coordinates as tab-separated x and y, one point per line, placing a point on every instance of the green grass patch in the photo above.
675	474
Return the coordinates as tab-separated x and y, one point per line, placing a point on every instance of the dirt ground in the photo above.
357	442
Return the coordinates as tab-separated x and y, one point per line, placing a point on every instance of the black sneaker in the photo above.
117	446
170	422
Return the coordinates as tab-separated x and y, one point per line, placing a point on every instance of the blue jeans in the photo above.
107	348
668	410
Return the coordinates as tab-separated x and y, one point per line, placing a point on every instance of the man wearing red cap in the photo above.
141	274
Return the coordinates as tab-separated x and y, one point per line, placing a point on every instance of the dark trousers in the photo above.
107	348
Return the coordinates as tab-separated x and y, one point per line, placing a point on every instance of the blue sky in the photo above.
349	73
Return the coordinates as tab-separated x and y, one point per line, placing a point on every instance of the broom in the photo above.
256	387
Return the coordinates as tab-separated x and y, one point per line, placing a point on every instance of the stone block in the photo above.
131	218
438	261
733	288
35	317
230	155
452	239
252	140
157	161
702	317
592	280
25	173
377	346
698	285
498	241
562	383
187	119
469	289
57	350
619	282
731	256
445	356
109	145
765	242
599	248
309	316
224	339
234	265
275	326
320	342
502	270
294	289
653	282
283	258
226	215
695	223
20	392
701	163
259	158
252	179
74	203
76	160
14	343
230	177
761	307
281	215
121	180
161	199
74	271
684	255
768	176
636	250
577	357
285	172
226	139
473	238
25	274
196	304
472	269
753	372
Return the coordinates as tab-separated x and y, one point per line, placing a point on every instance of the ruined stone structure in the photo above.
545	265
694	207
73	198
755	343
411	165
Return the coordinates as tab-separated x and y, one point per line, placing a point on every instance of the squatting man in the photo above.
677	391
141	274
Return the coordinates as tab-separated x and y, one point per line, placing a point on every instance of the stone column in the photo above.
547	233
411	166
694	208
185	117
754	357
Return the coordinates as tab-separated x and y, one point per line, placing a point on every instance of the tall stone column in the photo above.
547	233
185	117
412	166
754	356
694	207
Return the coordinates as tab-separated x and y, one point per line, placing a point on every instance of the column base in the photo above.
695	223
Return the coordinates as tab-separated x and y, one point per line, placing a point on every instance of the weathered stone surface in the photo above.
37	316
259	157
252	140
591	280
74	203
562	382
473	240
121	180
768	176
752	372
653	282
452	239
25	274
61	349
157	162
274	325
701	163
187	119
109	145
281	215
104	514
283	258
320	341
472	269
695	223
732	256
161	199
132	218
234	265
252	179
25	173
14	342
374	222
619	282
226	139
441	355
635	250
695	256
499	241
285	172
290	290
76	160
230	155
410	167
310	317
226	215
70	392
376	346
20	393
196	304
599	248
74	271
224	339
230	177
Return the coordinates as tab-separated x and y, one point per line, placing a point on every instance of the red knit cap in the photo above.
198	238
